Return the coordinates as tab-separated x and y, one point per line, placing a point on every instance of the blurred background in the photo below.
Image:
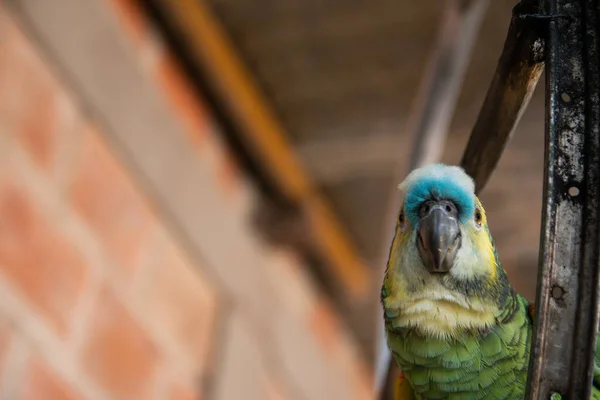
193	193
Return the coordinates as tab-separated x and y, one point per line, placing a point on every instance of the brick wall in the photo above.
128	269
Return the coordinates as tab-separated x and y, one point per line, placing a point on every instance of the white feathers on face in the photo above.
442	172
469	262
410	269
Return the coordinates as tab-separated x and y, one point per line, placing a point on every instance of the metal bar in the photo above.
519	69
569	274
428	126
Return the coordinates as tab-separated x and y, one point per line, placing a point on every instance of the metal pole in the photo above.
567	295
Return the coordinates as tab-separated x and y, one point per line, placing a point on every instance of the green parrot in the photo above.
456	327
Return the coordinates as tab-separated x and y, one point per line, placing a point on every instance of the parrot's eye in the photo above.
401	217
478	216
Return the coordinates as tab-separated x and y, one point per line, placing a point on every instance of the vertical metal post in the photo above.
568	282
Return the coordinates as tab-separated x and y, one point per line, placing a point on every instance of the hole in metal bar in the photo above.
573	191
557	292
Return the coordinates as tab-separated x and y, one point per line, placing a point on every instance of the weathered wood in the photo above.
264	136
519	69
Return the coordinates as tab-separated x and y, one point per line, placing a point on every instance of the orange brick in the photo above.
36	258
41	382
183	393
182	98
325	325
130	16
179	300
364	381
228	173
275	391
5	339
32	103
107	200
38	133
118	355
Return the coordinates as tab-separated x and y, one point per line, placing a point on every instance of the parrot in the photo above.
456	327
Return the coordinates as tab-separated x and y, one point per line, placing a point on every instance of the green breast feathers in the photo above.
490	364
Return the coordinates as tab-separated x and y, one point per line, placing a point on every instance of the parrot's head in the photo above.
443	274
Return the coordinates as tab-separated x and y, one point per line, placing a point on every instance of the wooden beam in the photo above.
519	69
265	136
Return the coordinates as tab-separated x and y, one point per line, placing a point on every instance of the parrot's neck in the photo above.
437	311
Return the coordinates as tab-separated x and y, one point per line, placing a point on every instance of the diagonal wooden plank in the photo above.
519	69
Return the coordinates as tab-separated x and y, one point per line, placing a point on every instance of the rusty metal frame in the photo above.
569	275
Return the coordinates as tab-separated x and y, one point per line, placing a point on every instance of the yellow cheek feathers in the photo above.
483	244
399	242
485	250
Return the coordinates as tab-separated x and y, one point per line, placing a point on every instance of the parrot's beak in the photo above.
439	235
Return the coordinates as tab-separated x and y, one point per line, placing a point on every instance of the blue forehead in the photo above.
438	188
